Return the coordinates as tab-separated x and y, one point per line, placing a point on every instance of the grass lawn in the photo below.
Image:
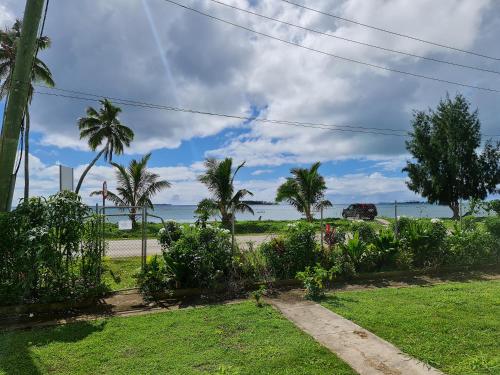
454	327
230	339
120	271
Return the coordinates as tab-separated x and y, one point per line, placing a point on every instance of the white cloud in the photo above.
259	172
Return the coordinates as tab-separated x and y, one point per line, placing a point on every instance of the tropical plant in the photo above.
206	208
381	252
103	126
40	74
219	179
354	248
446	166
292	252
136	186
305	190
314	279
170	233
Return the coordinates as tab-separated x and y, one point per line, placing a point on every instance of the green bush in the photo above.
314	279
425	240
169	234
292	252
153	281
201	257
365	230
381	254
49	251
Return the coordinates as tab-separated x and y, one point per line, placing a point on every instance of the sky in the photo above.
156	52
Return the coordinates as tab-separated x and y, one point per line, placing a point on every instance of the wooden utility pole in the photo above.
17	99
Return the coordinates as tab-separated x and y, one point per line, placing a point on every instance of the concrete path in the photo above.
362	350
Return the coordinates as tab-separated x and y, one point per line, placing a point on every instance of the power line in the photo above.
356	41
333	55
236	117
392	32
142	104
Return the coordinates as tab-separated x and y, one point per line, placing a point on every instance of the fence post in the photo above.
143	247
396	218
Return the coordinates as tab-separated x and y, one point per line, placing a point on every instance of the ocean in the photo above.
185	213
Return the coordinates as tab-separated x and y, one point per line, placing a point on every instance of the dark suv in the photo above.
360	211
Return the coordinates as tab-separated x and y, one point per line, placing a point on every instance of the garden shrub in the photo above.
250	265
292	252
381	254
153	281
49	251
425	240
201	257
314	279
365	230
337	235
472	244
170	233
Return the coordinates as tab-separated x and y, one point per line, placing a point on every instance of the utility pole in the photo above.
17	99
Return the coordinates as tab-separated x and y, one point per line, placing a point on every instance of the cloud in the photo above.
259	172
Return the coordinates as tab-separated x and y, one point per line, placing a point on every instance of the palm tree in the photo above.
40	73
219	179
305	190
136	186
103	126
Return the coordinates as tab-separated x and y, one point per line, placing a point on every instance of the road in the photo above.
130	248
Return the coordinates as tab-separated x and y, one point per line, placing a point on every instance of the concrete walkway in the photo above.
362	350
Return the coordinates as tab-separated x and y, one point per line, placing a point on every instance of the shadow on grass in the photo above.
16	356
337	301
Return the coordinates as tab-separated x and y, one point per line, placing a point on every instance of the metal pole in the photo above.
321	223
143	260
460	212
396	218
18	97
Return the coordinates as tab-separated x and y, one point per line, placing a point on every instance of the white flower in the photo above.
435	221
161	231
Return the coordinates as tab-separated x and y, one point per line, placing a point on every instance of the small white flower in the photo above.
435	221
161	231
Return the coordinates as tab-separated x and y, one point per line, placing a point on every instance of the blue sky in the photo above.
150	51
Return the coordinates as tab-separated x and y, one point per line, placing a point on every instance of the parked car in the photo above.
360	211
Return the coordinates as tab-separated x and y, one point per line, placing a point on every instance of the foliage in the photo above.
258	294
314	279
169	234
152	279
381	253
205	209
292	252
447	167
493	205
251	265
470	246
426	241
136	186
200	257
219	179
305	190
365	230
103	126
354	248
337	235
52	253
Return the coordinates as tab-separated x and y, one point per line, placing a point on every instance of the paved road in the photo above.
130	248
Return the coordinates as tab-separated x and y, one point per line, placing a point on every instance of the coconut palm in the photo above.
136	186
219	179
103	126
40	73
305	190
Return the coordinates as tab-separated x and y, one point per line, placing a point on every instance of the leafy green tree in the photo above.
136	186
103	126
446	165
305	190
219	179
40	74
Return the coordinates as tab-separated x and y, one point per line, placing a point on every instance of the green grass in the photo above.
119	272
231	339
454	327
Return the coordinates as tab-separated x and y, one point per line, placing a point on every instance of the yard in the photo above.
225	339
454	327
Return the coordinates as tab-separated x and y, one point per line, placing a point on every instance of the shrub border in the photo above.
10	310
